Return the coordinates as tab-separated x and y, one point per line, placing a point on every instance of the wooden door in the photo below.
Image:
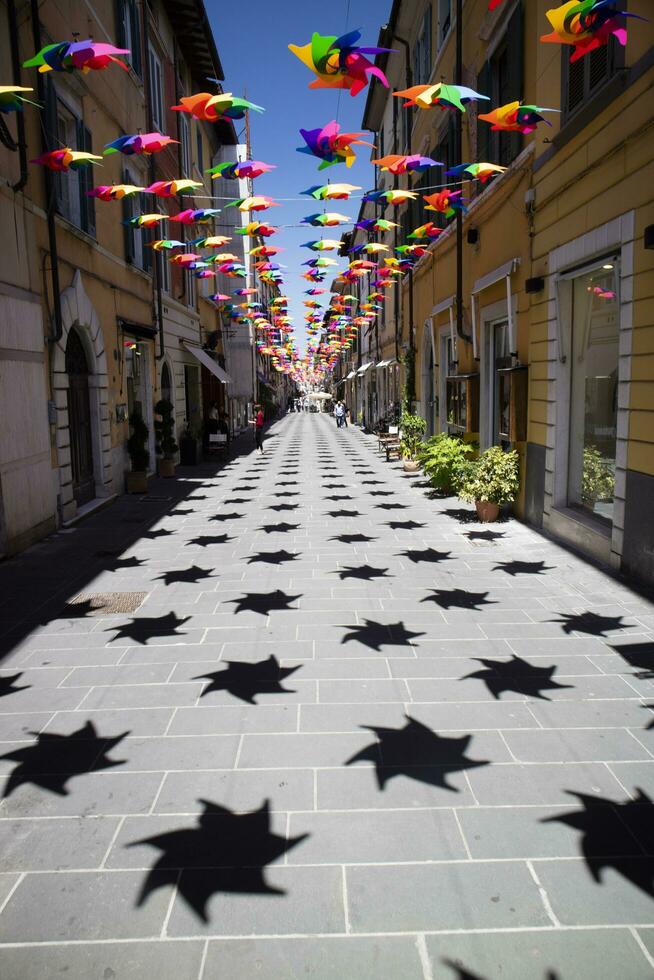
79	420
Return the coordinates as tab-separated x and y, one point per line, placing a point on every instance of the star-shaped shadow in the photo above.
192	574
287	493
342	513
244	488
197	496
225	852
522	567
227	517
386	506
640	656
462	515
246	680
517	675
381	493
590	622
282	528
615	835
273	557
263	602
281	507
484	535
8	685
461	973
417	555
239	500
146	627
417	752
338	496
204	540
352	538
54	759
458	598
180	512
286	483
404	525
376	635
333	486
162	532
372	483
116	564
77	610
367	572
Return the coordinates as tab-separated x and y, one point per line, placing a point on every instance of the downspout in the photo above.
458	152
157	258
409	82
53	338
20	119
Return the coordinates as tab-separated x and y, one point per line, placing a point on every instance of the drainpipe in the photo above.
458	151
157	257
53	337
20	119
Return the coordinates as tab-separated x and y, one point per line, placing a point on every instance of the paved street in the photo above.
338	730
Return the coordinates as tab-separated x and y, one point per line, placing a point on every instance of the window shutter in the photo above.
135	25
53	180
515	52
85	182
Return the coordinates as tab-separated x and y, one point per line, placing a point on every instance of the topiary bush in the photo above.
493	478
164	428
442	458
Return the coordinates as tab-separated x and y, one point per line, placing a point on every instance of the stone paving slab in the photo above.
382	813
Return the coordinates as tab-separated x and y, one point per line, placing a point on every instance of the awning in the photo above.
209	363
364	368
387	363
382	364
351	375
502	272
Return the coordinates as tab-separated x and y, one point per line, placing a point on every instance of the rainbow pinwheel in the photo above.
394	197
587	25
220	298
339	63
258	228
76	55
114	192
328	218
412	250
446	202
323	245
213	108
66	159
204	274
376	224
244	169
330	145
430	230
10	100
201	216
248	291
139	143
265	250
441	95
171	188
331	192
166	243
320	263
185	259
515	117
315	292
400	164
253	204
212	241
145	220
480	171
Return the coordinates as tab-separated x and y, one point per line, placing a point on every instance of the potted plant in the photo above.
139	455
442	458
164	427
490	481
188	447
412	428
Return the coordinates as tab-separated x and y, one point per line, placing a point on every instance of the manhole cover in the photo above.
104	603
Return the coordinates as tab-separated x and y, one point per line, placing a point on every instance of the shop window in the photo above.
501	78
128	32
594	390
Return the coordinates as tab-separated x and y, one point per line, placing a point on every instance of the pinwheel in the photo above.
188	258
446	202
258	228
138	143
253	204
415	251
481	171
323	245
243	169
315	292
204	274
330	145
391	197
66	159
220	298
442	95
376	224
191	216
320	263
249	291
429	230
171	188
265	250
400	164
145	220
587	25
81	55
212	241
214	108
165	243
517	118
114	192
222	257
339	63
10	100
331	192
329	219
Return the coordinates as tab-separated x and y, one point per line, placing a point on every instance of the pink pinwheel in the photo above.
401	163
338	62
139	143
81	55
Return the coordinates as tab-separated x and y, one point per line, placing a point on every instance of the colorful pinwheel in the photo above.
480	171
253	204
145	220
171	188
165	243
185	259
331	192
587	25
330	145
515	117
220	298
212	241
66	159
114	192
339	63
394	197
139	143
244	169
213	108
430	230
376	224
400	164
441	95
265	250
201	216
446	202
76	55
328	218
10	100
323	245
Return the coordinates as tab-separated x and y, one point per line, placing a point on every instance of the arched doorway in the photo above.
79	420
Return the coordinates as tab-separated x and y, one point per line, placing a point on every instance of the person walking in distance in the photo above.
339	412
257	422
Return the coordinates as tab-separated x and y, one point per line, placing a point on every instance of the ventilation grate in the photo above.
103	603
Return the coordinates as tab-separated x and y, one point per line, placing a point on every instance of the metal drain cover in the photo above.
104	603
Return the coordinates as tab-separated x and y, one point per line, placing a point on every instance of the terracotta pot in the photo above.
411	465
166	467
137	481
487	512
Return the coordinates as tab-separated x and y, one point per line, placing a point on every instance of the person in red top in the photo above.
257	422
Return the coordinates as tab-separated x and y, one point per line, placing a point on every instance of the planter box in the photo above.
166	467
188	452
136	481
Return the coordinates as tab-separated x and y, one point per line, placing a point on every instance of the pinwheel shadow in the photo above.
272	557
161	532
233	516
516	675
191	575
484	535
429	555
352	538
460	972
145	628
245	680
343	513
458	599
387	506
365	572
522	567
592	624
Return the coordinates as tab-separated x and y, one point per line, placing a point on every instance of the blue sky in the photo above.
256	61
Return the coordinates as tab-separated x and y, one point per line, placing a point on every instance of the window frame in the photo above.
615	55
156	90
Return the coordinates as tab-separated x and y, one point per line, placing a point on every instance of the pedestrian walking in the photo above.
339	412
257	422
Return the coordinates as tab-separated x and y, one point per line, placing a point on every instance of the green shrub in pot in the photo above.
443	458
490	481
